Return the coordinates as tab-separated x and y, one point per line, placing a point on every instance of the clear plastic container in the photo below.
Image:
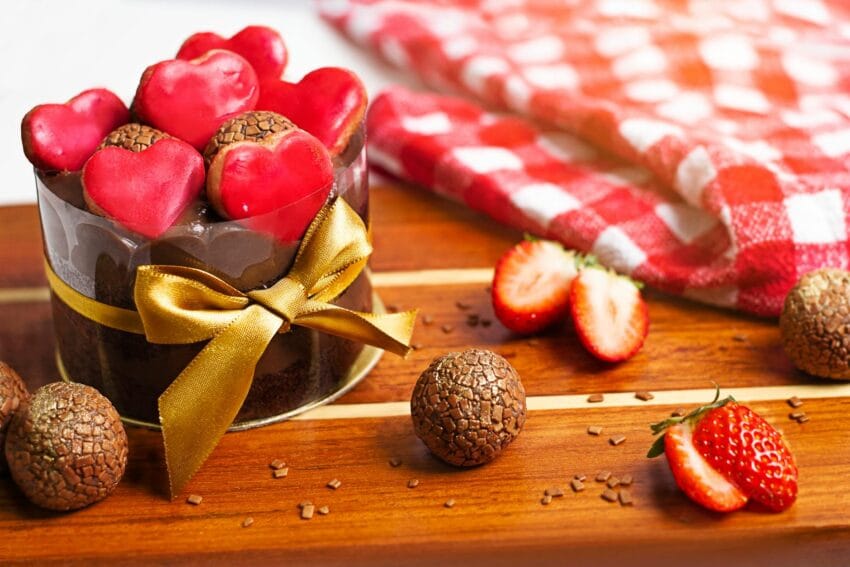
98	258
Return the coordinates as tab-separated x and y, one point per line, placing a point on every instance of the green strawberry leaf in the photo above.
658	446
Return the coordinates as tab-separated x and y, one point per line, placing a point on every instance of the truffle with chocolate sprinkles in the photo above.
468	407
13	393
254	125
66	448
134	137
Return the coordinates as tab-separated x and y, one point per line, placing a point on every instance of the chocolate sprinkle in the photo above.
324	510
449	503
795	402
277	464
248	522
546	500
577	485
448	328
394	462
644	395
280	473
603	476
334	484
307	512
609	495
795	415
617	440
412	483
427	319
194	499
626	480
554	492
625	498
595	398
613	482
594	430
678	412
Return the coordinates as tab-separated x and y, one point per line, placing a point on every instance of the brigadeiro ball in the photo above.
815	324
13	393
467	407
66	448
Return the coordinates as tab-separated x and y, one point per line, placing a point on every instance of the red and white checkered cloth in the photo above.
702	146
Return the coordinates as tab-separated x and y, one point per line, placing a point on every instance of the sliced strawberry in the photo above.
695	476
531	285
609	313
750	452
732	442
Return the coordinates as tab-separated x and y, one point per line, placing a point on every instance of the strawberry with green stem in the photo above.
724	454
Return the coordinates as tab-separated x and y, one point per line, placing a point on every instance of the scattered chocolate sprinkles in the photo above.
280	473
546	500
412	483
645	396
394	462
277	464
576	485
625	498
324	510
613	482
603	476
803	419
307	512
449	503
595	398
594	430
195	499
617	440
795	402
248	522
609	495
795	415
334	484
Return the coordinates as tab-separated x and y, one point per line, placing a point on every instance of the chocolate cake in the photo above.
98	258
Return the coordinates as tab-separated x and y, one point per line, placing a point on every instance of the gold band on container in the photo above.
180	305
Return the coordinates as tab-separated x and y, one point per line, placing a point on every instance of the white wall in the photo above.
52	49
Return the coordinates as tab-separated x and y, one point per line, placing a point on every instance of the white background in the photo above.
52	49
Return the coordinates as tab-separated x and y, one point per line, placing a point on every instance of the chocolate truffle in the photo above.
13	392
66	447
815	324
468	407
134	137
254	125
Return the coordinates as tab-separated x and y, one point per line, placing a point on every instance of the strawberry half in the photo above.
724	454
695	476
531	285
609	313
747	450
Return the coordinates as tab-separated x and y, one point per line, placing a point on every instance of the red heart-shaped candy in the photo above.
145	191
329	103
61	137
190	99
261	46
277	185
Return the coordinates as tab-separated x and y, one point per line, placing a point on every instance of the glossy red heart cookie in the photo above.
61	137
329	103
145	191
190	99
261	46
277	184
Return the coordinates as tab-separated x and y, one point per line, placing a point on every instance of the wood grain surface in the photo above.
497	519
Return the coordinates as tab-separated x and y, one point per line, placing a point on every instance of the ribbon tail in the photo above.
391	332
202	402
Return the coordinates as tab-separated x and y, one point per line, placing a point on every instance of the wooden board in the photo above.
433	254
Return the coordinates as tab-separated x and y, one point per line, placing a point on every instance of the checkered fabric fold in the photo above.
702	146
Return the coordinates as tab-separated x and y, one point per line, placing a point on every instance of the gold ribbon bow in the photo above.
179	305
